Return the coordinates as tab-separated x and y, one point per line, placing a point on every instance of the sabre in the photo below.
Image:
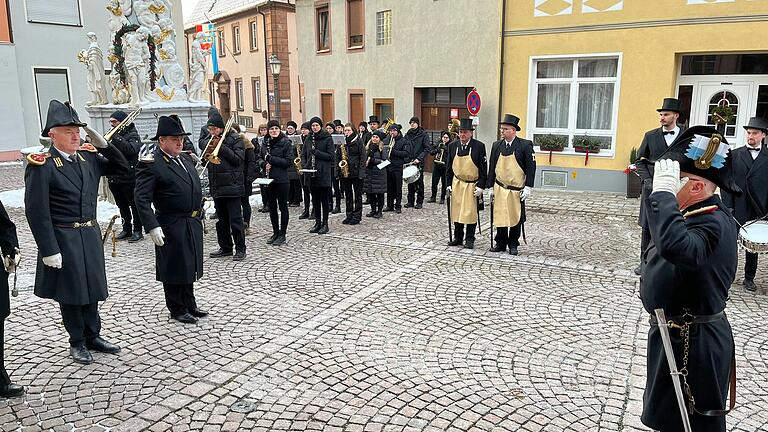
491	233
450	223
661	321
479	228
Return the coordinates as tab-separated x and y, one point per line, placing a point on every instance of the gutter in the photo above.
266	58
501	57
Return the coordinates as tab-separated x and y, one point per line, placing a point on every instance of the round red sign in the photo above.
473	102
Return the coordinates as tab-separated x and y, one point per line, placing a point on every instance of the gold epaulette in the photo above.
38	159
701	211
88	147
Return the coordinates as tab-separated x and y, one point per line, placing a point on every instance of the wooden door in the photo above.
356	109
326	107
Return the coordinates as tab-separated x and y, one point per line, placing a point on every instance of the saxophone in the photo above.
344	163
297	160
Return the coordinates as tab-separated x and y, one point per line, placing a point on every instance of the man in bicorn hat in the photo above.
419	144
467	171
128	142
655	142
688	268
168	181
511	174
62	186
750	171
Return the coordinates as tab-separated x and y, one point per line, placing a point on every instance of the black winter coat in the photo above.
278	153
752	177
375	179
8	241
652	146
226	179
129	143
250	167
355	157
292	173
419	144
399	154
321	146
175	194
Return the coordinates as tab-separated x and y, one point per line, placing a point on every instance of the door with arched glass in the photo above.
725	106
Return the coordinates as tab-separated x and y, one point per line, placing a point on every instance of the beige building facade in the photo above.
395	58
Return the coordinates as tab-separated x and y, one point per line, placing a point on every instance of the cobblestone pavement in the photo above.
372	327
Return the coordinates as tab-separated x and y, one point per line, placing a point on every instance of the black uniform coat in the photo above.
419	144
175	195
321	144
652	146
375	178
278	152
752	177
250	167
355	156
226	179
129	143
56	194
398	154
477	150
689	264
524	154
8	241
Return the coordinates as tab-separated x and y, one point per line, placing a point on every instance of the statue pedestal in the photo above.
193	114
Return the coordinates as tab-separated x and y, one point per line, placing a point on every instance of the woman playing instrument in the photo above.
304	182
353	152
319	151
375	178
438	167
258	142
278	157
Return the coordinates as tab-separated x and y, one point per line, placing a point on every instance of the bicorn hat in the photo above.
168	126
61	114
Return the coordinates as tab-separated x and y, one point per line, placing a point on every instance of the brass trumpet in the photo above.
123	124
211	155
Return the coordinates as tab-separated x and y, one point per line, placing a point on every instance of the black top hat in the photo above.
338	122
670	104
689	148
511	120
373	119
758	123
168	126
61	114
466	124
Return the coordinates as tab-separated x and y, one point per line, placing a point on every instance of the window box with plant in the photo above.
586	144
634	182
551	143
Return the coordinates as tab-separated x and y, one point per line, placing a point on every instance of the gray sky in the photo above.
187	6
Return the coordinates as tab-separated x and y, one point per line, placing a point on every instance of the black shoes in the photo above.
315	228
101	345
264	210
198	313
749	284
80	354
470	244
370	214
408	205
346	220
442	200
378	215
11	390
185	318
431	200
220	253
136	237
239	256
304	215
337	209
323	229
272	238
354	221
279	240
512	250
498	248
418	206
398	211
124	234
455	242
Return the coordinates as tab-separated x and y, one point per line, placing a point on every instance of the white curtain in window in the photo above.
595	107
554	69
552	105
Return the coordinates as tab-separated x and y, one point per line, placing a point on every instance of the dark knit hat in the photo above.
305	125
292	124
119	115
415	119
317	120
395	126
216	120
273	123
379	133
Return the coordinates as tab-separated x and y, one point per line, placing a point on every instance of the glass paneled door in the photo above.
739	97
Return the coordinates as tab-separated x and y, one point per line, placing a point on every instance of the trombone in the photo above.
122	125
213	156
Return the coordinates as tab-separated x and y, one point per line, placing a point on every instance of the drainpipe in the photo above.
501	68
266	57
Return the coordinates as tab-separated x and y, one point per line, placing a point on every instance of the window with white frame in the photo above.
384	27
575	97
254	35
239	93
64	12
236	39
256	83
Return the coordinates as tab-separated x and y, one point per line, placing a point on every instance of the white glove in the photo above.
448	190
157	236
97	139
478	191
9	263
53	261
666	177
525	193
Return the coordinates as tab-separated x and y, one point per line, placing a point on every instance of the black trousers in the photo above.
458	231
307	195
179	298
394	188
245	204
750	266
416	189
321	203
438	176
4	378
277	196
262	191
337	193
645	239
509	236
229	225
123	193
82	322
294	193
353	196
376	200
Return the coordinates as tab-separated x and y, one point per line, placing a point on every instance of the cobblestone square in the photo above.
373	327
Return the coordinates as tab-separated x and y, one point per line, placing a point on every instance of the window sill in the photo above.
236	53
323	51
254	49
571	152
356	48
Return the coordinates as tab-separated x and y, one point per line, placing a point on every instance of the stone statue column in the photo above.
136	55
197	69
93	59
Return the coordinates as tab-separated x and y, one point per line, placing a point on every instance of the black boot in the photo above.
124	234
323	229
316	228
456	242
431	200
347	219
337	209
136	236
378	215
280	239
272	238
305	214
371	213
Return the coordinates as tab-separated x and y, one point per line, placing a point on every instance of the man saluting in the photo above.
60	200
168	181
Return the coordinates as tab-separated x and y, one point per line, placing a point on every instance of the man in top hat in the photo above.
397	153
419	144
227	185
374	123
128	142
467	171
511	173
750	171
169	182
688	268
655	142
62	186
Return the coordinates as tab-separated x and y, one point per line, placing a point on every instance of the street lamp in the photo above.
275	65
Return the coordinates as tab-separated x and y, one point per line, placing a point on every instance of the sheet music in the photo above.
295	139
262	181
383	164
338	139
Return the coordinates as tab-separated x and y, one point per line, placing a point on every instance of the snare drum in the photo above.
411	174
753	237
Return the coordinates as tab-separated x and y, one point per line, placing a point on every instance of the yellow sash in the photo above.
506	203
463	201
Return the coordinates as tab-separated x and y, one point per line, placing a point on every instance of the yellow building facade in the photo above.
601	68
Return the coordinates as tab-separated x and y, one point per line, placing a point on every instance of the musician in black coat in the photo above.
294	192
375	183
688	268
397	149
168	181
352	184
319	154
226	181
307	195
750	171
251	172
9	244
60	198
440	152
467	172
655	142
128	142
278	154
419	145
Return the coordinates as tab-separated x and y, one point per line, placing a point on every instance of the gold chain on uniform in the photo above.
685	334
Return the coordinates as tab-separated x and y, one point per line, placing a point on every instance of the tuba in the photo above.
453	129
